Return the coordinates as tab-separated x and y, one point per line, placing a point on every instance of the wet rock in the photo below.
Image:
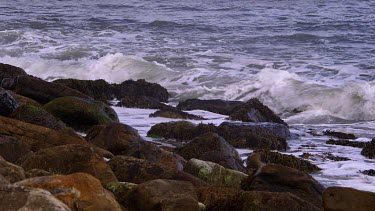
79	191
357	144
212	147
7	103
234	199
81	113
37	116
174	113
14	197
254	111
216	106
9	71
277	178
141	102
11	149
330	156
37	173
11	172
347	199
369	150
130	169
68	159
39	90
260	158
164	195
255	135
214	174
339	135
122	191
23	101
370	172
141	88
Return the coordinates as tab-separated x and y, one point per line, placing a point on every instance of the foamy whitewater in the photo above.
311	62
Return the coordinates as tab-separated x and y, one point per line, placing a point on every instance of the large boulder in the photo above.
131	169
255	135
7	103
37	116
234	199
11	148
216	106
277	178
68	159
212	147
38	89
141	88
174	113
9	71
214	174
122	192
254	111
164	195
22	100
11	172
347	199
369	150
79	191
141	102
81	113
14	197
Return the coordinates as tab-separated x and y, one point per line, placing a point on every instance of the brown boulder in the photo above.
122	191
10	171
22	100
68	159
9	71
78	191
37	173
347	199
215	106
11	148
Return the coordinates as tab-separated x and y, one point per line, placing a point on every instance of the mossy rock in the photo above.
122	191
81	113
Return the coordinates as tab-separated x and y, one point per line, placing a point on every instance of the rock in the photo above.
3	181
369	150
141	102
370	172
122	191
81	113
260	158
215	106
22	100
277	178
39	90
141	88
97	89
358	144
9	71
37	173
7	103
10	171
130	169
340	135
347	199
214	174
330	156
212	147
119	139
37	116
24	198
255	135
79	191
174	113
11	149
68	159
36	137
164	195
234	199
254	111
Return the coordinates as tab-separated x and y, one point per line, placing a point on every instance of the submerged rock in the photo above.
347	199
369	150
215	106
357	144
370	172
174	113
340	135
7	103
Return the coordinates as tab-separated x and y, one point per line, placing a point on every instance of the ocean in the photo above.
312	62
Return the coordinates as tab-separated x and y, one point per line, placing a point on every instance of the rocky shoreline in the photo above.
46	164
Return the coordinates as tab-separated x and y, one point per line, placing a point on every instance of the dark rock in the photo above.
68	159
370	172
39	90
234	199
260	158
141	88
254	111
141	102
369	150
329	156
357	144
37	173
130	169
212	147
277	178
174	113
7	103
215	106
37	116
255	135
81	113
11	172
9	71
11	149
122	192
340	135
22	100
347	199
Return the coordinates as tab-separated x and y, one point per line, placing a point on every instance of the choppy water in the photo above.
310	61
